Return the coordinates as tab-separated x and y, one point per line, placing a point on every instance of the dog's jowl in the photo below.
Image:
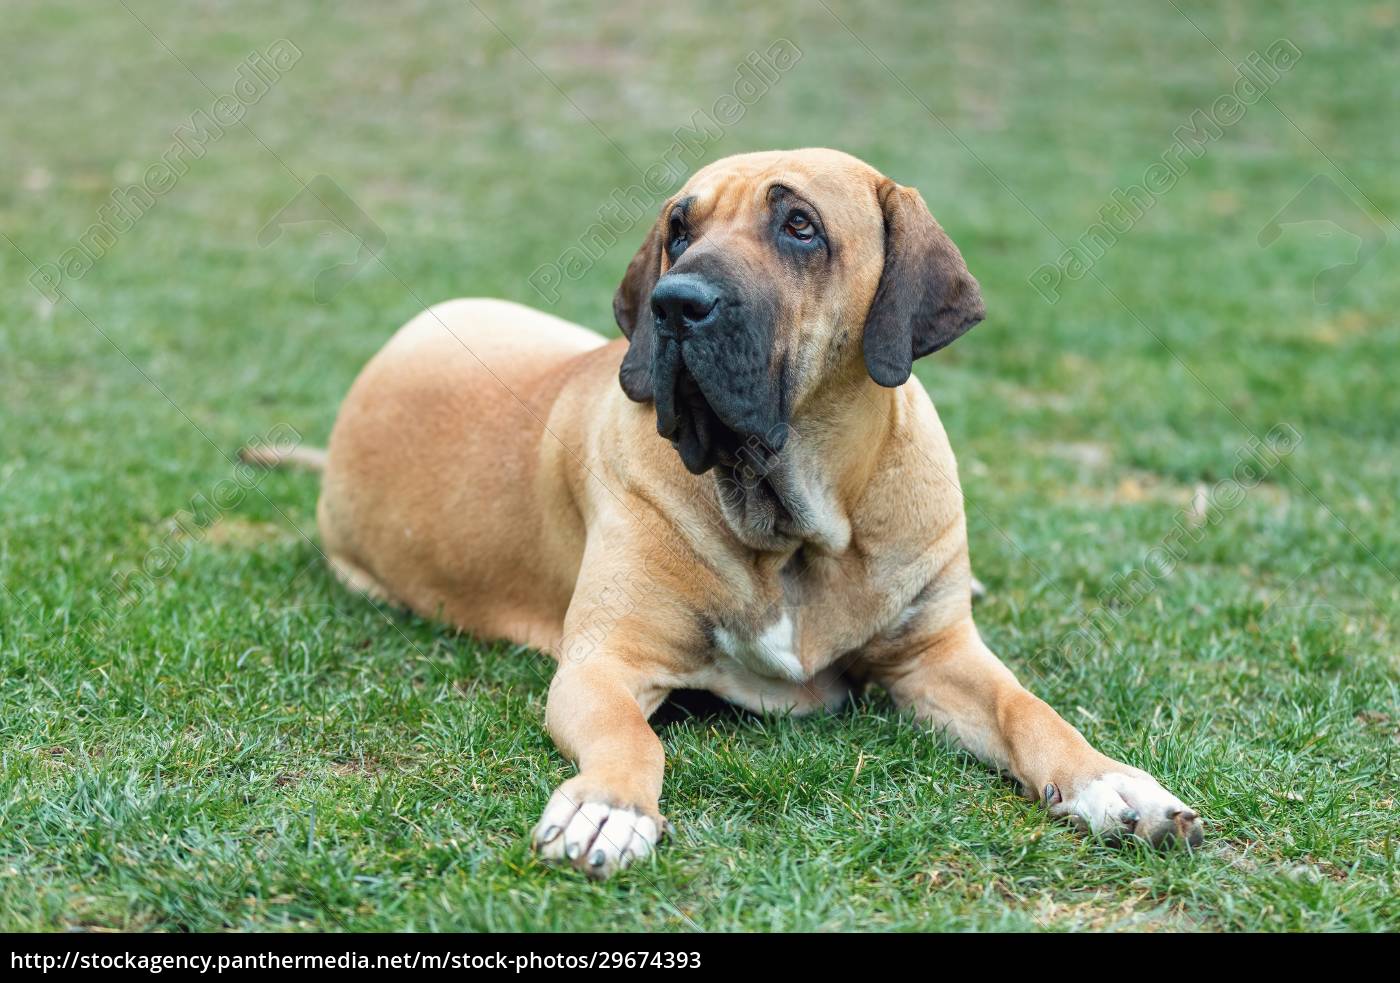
746	494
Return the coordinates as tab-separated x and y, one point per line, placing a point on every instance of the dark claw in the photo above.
1178	825
549	835
598	858
1188	827
1129	817
1052	794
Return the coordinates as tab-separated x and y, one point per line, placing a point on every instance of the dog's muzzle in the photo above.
712	371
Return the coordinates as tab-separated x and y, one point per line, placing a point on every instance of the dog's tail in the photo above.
302	458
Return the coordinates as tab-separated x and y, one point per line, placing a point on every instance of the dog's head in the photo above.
771	274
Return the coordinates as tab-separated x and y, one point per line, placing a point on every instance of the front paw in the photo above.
591	830
1125	802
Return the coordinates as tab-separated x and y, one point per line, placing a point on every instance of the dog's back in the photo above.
400	519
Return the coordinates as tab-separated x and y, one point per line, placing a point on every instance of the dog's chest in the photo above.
772	653
797	627
818	610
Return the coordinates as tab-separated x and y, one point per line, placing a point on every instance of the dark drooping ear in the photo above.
632	311
926	299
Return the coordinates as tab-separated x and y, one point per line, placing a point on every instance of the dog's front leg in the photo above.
952	680
608	814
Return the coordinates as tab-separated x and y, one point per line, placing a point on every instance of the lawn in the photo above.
233	742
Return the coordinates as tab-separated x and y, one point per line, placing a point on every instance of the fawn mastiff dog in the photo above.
745	494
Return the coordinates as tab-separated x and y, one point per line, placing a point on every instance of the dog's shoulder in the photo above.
913	489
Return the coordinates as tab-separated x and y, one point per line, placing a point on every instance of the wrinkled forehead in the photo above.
840	187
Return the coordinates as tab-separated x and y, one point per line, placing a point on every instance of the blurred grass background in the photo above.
250	748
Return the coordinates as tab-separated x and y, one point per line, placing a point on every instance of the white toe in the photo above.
605	855
1098	805
583	829
1143	793
548	837
643	838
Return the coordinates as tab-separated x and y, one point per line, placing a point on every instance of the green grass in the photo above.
249	747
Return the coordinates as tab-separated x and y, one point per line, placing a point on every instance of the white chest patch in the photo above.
772	654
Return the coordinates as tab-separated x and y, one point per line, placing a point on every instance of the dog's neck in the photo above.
802	496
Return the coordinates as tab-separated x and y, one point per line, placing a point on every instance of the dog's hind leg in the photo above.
359	580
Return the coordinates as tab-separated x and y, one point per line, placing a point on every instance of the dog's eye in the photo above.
799	226
678	237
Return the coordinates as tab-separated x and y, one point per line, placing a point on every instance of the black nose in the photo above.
684	302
